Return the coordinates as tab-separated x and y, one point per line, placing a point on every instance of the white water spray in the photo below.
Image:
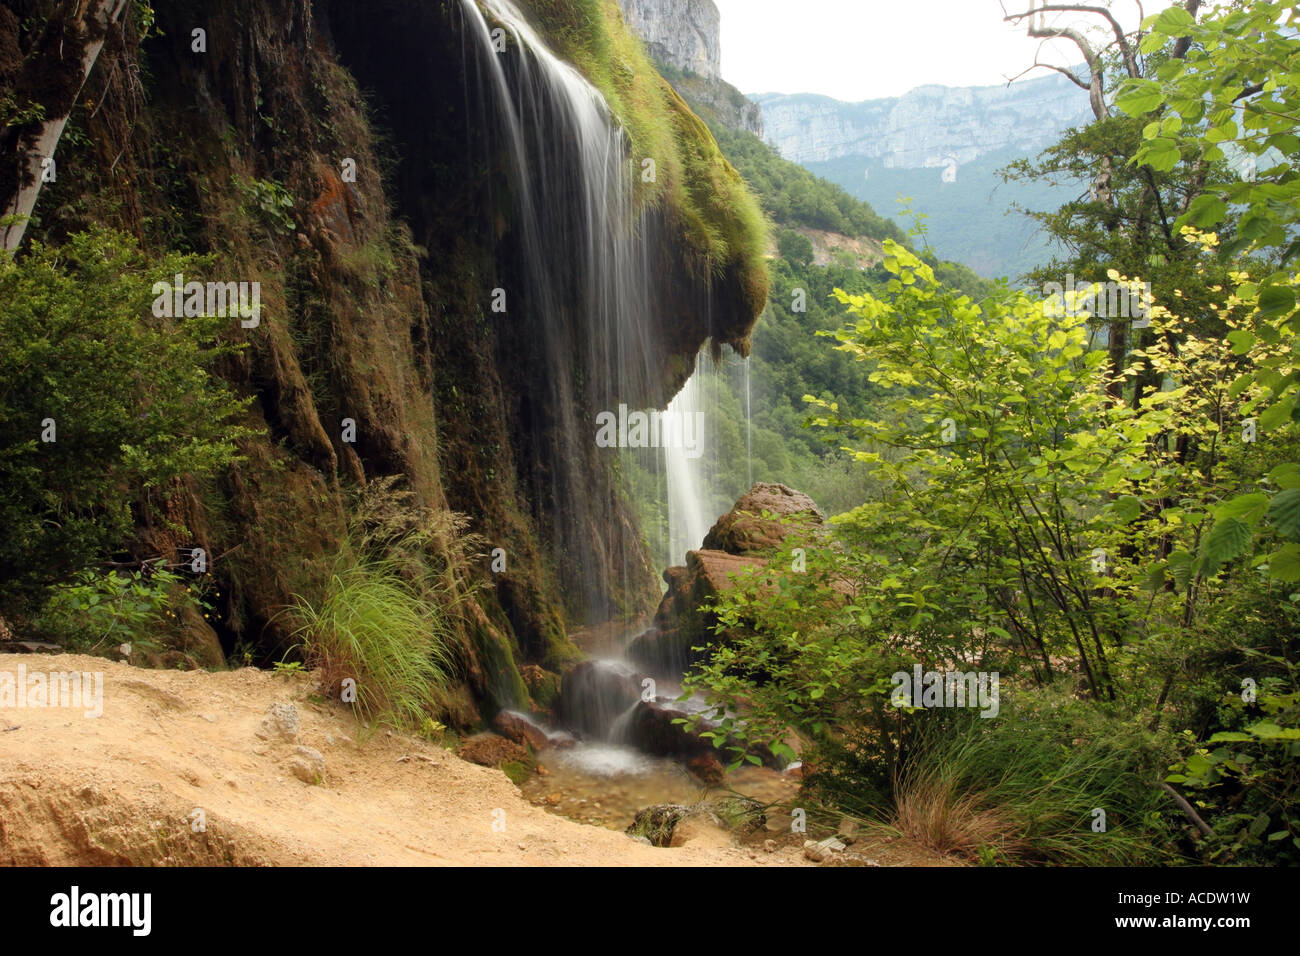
688	518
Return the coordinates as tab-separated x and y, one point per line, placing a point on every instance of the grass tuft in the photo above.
374	627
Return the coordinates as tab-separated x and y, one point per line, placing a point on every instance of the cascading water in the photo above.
749	432
582	276
581	260
688	517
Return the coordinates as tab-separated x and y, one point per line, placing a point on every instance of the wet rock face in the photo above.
595	693
663	653
651	729
523	729
735	542
518	727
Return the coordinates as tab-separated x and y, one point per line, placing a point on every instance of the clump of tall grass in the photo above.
1036	785
1020	788
374	626
392	616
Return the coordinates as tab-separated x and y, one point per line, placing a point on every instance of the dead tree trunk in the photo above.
1100	191
51	77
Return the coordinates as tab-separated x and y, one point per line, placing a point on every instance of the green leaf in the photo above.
1284	513
1206	211
1180	568
1286	476
1267	730
1241	341
782	750
1173	21
1162	155
1248	508
1277	414
1143	97
1284	565
1226	540
1276	300
1126	508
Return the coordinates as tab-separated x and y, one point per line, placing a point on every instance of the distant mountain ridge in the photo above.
930	126
940	146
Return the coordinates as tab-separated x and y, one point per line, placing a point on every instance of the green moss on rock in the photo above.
719	220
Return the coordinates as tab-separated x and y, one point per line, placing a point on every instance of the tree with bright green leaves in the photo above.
1232	97
1139	551
1126	216
1236	93
101	405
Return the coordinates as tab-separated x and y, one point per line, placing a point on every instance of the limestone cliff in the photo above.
683	38
928	126
685	34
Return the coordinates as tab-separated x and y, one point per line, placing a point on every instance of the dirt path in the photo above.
122	788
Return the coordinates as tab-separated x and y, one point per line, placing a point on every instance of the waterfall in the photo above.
688	517
579	289
749	430
585	279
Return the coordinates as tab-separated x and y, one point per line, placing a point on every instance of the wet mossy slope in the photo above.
373	288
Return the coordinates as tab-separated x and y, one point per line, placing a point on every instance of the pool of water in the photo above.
606	784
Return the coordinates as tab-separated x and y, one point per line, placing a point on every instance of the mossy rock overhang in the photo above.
410	56
719	227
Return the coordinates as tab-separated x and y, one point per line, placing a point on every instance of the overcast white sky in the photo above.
865	49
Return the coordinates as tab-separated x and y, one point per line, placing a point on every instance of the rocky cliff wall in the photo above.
685	34
928	126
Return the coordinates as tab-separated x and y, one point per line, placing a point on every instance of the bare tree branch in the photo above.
1096	90
1188	810
1121	38
1059	69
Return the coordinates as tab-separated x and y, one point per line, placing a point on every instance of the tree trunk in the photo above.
52	77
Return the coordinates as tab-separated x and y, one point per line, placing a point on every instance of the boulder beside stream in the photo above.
739	539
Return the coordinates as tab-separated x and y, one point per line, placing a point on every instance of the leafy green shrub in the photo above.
128	399
1246	779
268	200
97	612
